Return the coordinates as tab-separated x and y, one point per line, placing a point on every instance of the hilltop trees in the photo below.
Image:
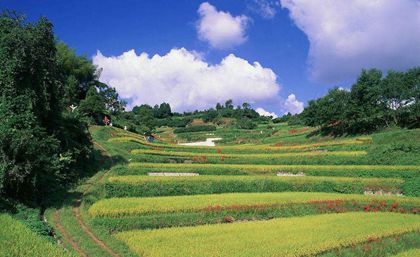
372	103
81	87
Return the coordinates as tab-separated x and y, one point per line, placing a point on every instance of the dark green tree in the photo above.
33	149
93	105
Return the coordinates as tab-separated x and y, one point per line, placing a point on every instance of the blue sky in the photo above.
307	49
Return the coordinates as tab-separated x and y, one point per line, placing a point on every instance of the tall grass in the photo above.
288	237
116	207
126	186
16	240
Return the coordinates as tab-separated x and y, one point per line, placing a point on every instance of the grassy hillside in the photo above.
330	182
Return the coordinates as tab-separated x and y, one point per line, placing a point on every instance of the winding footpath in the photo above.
76	212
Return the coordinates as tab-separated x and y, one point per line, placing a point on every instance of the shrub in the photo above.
246	124
412	187
196	128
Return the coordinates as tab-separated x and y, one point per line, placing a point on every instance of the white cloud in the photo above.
292	105
344	89
265	8
220	29
185	80
263	112
346	36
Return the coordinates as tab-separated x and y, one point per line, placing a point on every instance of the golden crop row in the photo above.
18	240
247	156
287	237
136	179
263	167
116	207
410	253
267	147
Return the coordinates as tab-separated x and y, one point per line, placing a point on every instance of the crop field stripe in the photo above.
410	253
268	147
18	240
288	237
263	167
267	155
135	179
116	207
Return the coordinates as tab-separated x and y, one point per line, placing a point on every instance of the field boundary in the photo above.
79	219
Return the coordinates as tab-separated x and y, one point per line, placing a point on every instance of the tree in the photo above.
111	99
77	73
229	104
93	105
162	111
411	113
144	117
366	111
210	115
245	124
33	151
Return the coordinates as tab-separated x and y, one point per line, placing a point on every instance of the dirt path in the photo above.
65	234
77	215
76	208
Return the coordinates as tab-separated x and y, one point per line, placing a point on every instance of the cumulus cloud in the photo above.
220	29
185	80
346	36
265	8
263	112
292	105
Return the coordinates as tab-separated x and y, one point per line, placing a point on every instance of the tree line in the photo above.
374	102
144	119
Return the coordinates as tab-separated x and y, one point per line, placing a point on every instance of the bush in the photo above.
246	124
197	128
412	187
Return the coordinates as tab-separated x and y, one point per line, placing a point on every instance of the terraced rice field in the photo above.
17	240
277	237
245	209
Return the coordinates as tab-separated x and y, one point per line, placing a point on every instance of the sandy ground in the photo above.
208	142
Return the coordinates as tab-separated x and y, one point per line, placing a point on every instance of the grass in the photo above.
125	186
260	147
17	240
385	171
251	156
277	237
334	233
409	253
388	246
283	167
116	207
